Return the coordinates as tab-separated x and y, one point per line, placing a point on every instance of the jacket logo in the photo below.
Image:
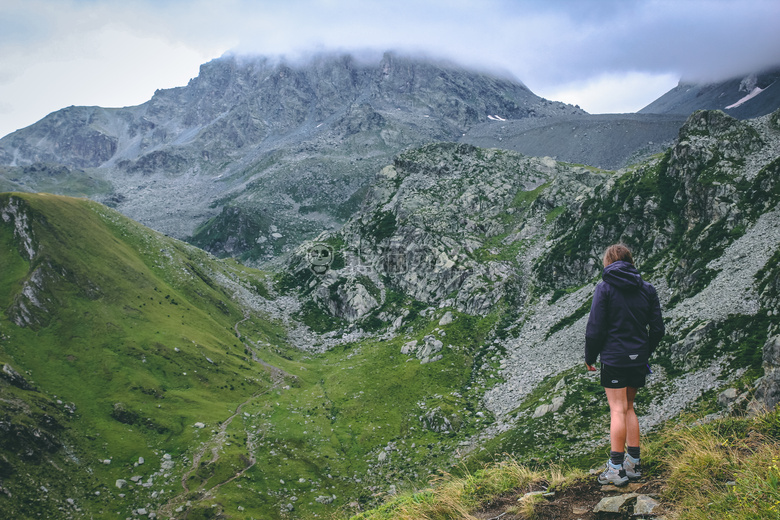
633	356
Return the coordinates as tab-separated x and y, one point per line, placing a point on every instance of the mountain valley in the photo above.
388	275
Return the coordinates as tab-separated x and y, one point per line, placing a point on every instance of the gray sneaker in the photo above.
633	467
613	475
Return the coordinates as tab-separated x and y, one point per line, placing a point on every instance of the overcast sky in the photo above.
604	55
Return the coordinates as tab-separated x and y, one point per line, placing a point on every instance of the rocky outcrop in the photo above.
348	298
14	211
498	236
679	213
428	352
13	377
767	393
436	225
73	136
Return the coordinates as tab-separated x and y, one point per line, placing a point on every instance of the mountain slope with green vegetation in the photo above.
119	343
122	341
445	333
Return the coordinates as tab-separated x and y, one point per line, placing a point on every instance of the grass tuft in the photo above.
728	469
451	497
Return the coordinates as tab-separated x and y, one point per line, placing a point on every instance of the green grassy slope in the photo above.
121	325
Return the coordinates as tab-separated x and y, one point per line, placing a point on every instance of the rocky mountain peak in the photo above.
253	136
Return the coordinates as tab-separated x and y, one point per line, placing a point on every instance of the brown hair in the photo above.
617	252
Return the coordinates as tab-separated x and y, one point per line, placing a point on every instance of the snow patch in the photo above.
496	118
753	93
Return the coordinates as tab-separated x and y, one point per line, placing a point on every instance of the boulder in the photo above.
409	347
768	387
727	397
614	504
429	350
544	409
446	319
645	505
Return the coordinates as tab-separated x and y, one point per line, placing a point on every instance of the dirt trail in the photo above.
575	502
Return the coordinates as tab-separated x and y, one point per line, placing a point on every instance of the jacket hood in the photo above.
622	275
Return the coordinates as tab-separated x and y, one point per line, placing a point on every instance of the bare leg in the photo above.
618	410
632	423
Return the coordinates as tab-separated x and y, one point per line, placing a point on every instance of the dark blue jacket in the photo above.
625	324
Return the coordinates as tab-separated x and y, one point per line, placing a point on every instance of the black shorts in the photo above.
621	377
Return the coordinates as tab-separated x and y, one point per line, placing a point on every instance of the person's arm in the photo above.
657	330
595	331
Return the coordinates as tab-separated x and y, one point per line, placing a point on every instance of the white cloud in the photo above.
109	66
614	92
110	52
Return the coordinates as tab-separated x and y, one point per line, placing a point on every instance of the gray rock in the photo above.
436	420
12	376
446	319
645	505
409	347
430	349
544	409
727	397
614	504
683	352
767	394
346	297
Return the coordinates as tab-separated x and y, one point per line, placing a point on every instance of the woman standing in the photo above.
624	327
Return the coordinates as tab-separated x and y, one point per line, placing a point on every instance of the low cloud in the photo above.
614	93
117	53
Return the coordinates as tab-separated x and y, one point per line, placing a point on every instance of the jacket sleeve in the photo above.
595	332
656	324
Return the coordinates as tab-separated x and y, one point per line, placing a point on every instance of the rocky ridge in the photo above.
437	224
255	153
744	97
